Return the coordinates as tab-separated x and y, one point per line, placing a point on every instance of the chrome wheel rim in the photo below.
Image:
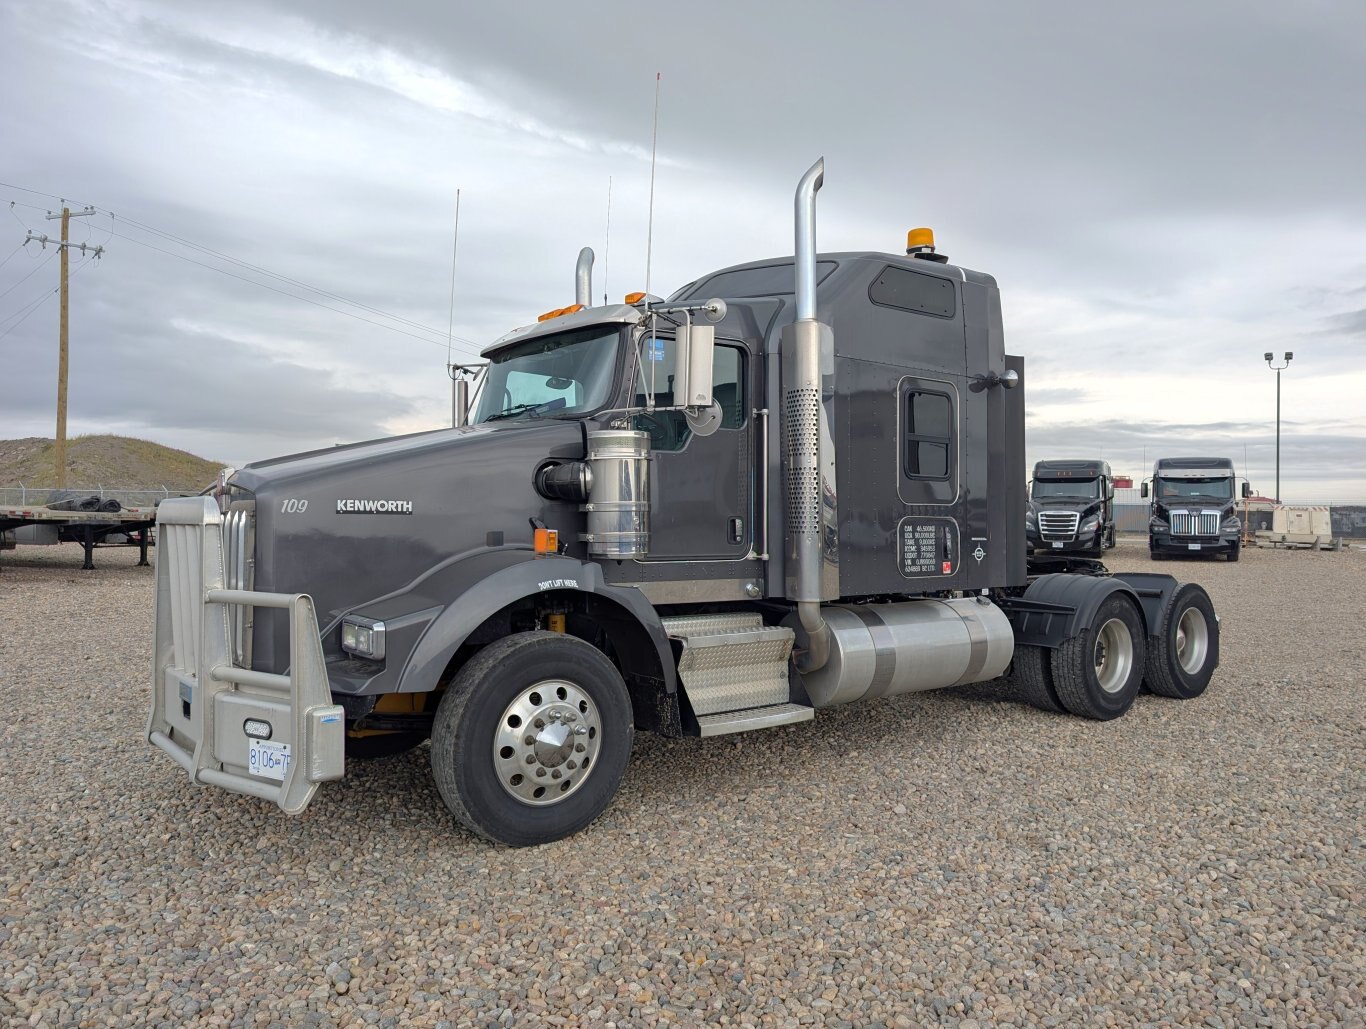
1113	655
546	745
1192	640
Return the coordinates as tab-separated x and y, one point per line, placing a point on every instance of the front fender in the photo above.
458	598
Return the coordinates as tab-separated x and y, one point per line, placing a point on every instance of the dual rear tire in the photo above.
1098	672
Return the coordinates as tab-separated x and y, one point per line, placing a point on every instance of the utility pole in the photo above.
59	456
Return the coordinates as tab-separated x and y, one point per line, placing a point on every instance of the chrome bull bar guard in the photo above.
258	733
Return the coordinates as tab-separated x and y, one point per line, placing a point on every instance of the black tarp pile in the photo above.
65	500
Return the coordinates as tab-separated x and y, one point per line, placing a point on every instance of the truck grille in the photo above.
238	540
1195	523
1058	525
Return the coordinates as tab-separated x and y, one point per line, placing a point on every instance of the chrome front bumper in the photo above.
259	733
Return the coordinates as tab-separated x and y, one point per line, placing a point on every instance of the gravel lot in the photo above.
951	857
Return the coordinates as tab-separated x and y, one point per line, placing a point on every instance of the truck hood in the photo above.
1083	506
352	524
439	444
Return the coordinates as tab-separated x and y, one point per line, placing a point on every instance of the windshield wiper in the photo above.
533	409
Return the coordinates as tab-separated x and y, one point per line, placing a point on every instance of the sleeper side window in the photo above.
927	443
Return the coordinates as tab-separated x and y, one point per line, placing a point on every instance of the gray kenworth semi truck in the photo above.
1193	511
1071	508
795	483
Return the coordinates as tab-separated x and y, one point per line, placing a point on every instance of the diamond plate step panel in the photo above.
683	626
735	669
754	718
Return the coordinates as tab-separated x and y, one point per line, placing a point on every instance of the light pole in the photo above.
1278	368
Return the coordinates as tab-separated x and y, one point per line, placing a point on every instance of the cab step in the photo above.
734	671
754	718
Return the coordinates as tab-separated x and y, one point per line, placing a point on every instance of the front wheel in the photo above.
1098	672
1233	550
532	738
1187	648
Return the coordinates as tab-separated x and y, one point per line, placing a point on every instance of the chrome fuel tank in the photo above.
879	650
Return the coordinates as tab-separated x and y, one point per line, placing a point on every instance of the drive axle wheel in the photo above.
1098	673
1187	648
532	738
1033	677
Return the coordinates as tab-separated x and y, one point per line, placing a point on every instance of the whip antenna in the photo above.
607	250
455	247
650	231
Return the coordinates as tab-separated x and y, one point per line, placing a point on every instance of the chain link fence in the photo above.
40	496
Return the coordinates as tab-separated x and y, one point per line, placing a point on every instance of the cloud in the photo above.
1153	232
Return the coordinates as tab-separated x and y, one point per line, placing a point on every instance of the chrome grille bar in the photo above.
1058	525
1195	523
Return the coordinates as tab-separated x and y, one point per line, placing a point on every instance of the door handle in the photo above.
735	530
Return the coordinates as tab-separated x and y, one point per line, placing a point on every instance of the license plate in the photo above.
268	759
1057	545
1192	546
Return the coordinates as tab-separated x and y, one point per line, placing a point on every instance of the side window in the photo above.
669	430
927	444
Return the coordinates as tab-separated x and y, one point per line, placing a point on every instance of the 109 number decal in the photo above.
292	506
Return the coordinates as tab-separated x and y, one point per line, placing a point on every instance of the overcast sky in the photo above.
1164	191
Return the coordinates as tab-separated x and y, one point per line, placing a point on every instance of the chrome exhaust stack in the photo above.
583	278
808	455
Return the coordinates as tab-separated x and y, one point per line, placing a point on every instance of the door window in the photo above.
669	430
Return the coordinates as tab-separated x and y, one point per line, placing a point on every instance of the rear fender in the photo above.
1058	607
1154	593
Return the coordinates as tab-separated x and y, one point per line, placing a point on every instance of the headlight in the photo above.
1232	523
1090	523
1156	523
1029	514
363	637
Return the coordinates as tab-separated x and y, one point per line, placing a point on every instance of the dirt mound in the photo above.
114	462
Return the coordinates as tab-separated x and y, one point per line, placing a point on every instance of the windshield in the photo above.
1071	488
568	373
1220	488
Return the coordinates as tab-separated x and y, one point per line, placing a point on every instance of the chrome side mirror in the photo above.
693	365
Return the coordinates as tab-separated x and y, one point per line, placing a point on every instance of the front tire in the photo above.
1097	674
532	738
1234	550
1187	650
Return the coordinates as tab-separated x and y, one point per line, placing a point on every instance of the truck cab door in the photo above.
701	477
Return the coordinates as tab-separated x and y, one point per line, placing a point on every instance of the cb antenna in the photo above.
607	250
650	231
455	249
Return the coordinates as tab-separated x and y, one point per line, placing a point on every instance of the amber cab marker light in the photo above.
547	541
635	298
919	238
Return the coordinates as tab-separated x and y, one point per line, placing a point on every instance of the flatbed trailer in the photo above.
84	527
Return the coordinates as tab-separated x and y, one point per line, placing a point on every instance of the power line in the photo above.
30	275
471	345
292	296
11	254
34	305
249	266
